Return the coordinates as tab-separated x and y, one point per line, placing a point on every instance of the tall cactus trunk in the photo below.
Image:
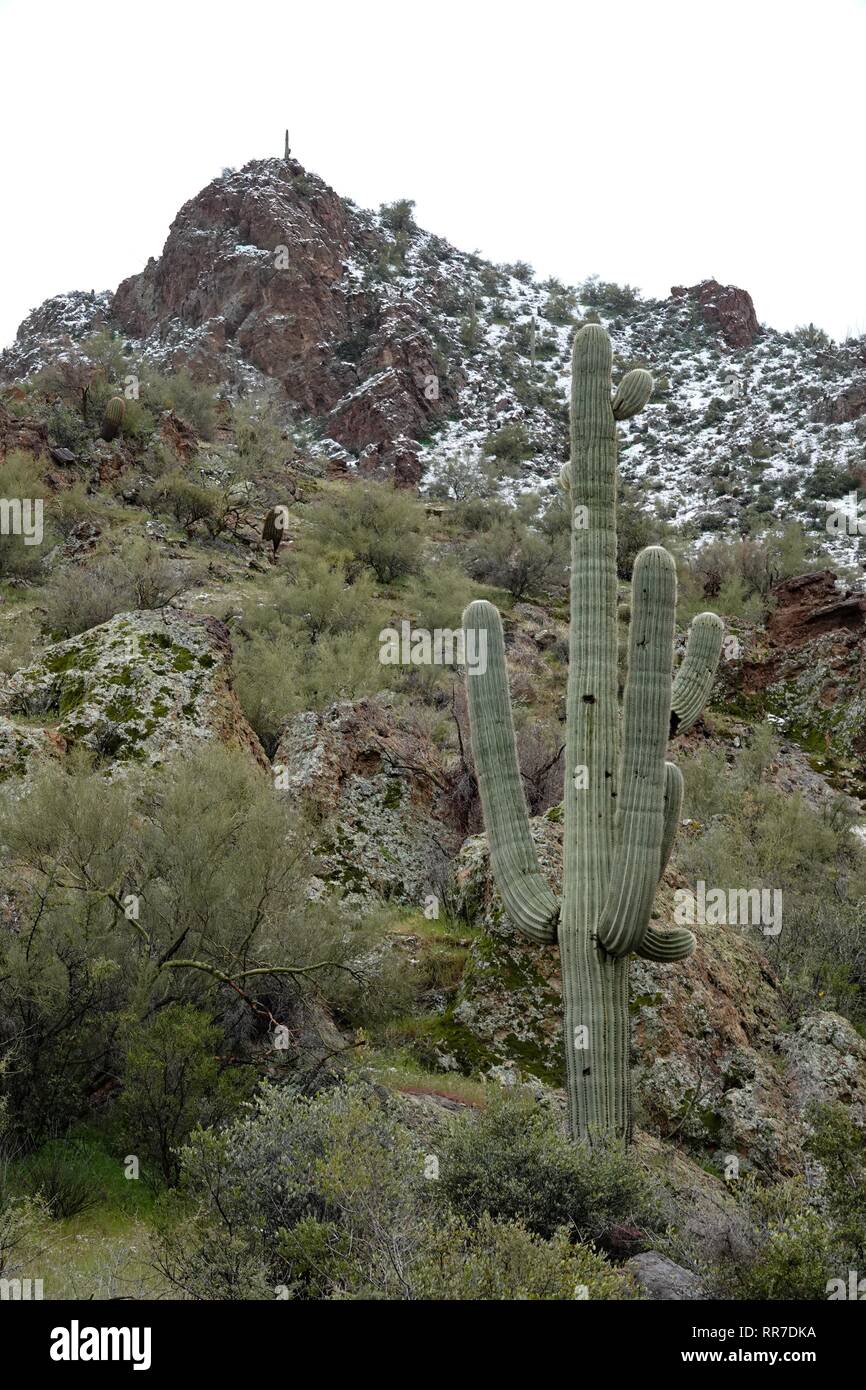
595	986
621	807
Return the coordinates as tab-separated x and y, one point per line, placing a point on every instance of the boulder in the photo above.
726	308
135	690
378	785
661	1279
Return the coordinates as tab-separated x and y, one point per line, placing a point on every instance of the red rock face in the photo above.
267	268
810	605
850	404
17	433
724	307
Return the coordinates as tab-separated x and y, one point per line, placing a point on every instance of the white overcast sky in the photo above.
658	142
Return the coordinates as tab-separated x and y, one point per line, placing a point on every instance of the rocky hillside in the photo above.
402	353
197	718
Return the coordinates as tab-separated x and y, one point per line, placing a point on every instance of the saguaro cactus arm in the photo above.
694	679
667	946
632	394
642	777
528	899
673	806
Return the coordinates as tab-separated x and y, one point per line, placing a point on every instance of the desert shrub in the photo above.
809	335
72	506
19	1215
193	401
561	305
372	524
399	215
187	501
172	1082
754	835
829	481
462	474
479	514
839	1145
21	487
67	428
514	1163
80	597
325	1197
510	446
519	558
491	1261
794	1252
18	642
636	528
59	1175
281	671
316	594
735	577
521	270
218	866
260	438
324	1192
606	294
437	599
540	753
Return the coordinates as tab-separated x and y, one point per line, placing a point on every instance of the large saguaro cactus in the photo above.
622	800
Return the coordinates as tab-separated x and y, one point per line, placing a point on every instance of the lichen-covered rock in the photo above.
715	1064
661	1278
20	747
825	1062
379	786
133	690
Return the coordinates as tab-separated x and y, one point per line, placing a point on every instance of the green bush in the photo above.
607	294
326	1197
193	401
59	1176
215	867
839	1145
510	446
188	502
372	524
80	597
516	557
514	1163
490	1261
172	1081
21	483
794	1255
754	834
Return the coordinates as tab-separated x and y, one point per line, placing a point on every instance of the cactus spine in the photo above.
622	800
113	417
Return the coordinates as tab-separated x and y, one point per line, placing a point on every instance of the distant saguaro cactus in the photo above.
113	417
622	800
274	528
287	152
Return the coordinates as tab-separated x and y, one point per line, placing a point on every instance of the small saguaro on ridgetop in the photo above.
287	151
622	804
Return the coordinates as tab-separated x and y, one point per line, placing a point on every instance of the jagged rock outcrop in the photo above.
50	332
724	307
22	433
716	1065
134	690
267	268
845	406
378	785
808	668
